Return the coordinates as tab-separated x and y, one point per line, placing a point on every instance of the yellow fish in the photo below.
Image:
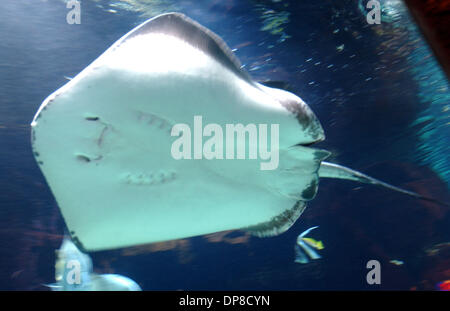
316	244
304	248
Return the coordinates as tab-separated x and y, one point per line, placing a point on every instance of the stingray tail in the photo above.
331	170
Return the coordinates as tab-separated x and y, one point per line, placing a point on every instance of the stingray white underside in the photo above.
104	145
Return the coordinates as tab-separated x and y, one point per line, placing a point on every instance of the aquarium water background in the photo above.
377	89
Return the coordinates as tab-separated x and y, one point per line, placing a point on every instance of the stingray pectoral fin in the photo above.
331	170
278	84
278	224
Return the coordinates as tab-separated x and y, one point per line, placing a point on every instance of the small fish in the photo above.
396	262
340	48
303	250
74	272
443	286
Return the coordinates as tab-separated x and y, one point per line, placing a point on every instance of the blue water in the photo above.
380	95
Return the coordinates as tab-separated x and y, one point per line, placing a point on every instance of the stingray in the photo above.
103	142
